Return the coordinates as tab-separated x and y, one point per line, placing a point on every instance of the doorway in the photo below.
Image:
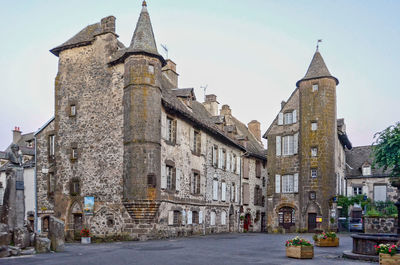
263	226
312	222
286	217
77	226
247	222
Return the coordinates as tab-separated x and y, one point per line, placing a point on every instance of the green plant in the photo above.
332	220
85	232
297	241
386	249
325	235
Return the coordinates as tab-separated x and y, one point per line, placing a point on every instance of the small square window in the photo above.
314	173
314	152
312	195
74	153
151	69
288	118
315	87
314	126
72	110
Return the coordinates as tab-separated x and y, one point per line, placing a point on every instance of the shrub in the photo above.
386	249
297	241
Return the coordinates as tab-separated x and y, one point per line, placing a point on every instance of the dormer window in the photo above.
288	118
366	170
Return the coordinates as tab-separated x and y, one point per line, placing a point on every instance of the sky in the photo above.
249	53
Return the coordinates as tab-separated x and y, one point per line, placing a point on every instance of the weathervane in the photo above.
204	89
165	48
320	40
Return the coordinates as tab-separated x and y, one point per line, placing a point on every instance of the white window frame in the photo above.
288	145
287	184
314	87
215	189
314	126
314	151
223	191
288	118
366	170
314	173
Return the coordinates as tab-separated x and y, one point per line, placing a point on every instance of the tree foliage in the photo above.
386	150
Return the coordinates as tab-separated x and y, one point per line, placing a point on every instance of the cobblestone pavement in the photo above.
212	249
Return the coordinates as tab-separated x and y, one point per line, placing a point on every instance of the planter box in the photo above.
329	242
85	240
300	252
386	259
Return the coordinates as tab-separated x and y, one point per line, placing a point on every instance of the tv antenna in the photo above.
165	48
320	40
204	89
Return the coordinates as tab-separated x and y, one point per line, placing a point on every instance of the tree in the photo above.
386	151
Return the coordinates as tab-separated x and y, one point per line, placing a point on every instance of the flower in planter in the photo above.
85	232
297	241
323	235
386	249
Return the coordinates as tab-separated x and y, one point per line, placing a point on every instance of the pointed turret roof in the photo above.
317	69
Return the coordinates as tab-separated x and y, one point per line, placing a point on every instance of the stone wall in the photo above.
385	225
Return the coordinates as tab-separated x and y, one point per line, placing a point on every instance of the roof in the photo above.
44	126
317	69
184	92
22	144
28	164
357	157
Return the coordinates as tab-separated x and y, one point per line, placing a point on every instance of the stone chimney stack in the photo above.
169	70
16	134
254	128
211	104
108	24
226	110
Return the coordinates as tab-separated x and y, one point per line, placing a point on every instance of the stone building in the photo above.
306	159
26	143
157	162
363	178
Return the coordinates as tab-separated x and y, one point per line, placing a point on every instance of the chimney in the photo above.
169	70
108	24
211	104
16	135
226	110
254	128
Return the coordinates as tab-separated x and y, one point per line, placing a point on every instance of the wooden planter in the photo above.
386	259
328	242
300	252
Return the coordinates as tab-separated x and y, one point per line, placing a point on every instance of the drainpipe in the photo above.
35	186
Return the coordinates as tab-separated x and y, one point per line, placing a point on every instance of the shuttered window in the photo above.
278	146
223	218
246	193
215	190
277	183
223	191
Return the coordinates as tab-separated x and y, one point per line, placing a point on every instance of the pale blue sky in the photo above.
249	53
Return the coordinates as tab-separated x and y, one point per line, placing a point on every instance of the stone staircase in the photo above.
143	211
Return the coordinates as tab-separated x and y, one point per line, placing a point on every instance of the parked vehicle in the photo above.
356	224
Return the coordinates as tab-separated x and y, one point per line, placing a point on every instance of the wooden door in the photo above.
77	225
286	217
312	222
263	222
247	222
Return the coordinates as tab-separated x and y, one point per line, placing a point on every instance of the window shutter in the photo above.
223	191
228	162
232	193
215	190
200	217
349	191
191	139
220	158
170	217
203	147
277	183
278	146
199	184
163	177
237	194
238	165
296	183
173	182
175	134
296	143
246	193
294	116
280	118
189	217
223	218
255	196
183	217
178	179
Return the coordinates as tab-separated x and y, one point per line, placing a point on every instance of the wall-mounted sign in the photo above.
19	185
319	219
89	205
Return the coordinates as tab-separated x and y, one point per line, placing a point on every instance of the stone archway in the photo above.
75	221
312	211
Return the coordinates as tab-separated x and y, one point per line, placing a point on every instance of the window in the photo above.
233	192
314	151
195	187
234	163
366	170
314	126
1	193
223	191
215	190
171	130
196	142
314	173
314	87
151	181
72	110
263	181
151	69
312	195
288	146
215	155
52	145
287	184
50	184
223	159
288	118
75	187
212	218
257	195
246	193
177	217
357	191
170	177
74	153
195	217
258	169
223	218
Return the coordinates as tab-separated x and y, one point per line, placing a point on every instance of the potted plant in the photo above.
328	239
299	248
387	254
85	236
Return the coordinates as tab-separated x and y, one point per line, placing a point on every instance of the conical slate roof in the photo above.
317	69
143	39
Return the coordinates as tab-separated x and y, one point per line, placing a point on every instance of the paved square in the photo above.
212	249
